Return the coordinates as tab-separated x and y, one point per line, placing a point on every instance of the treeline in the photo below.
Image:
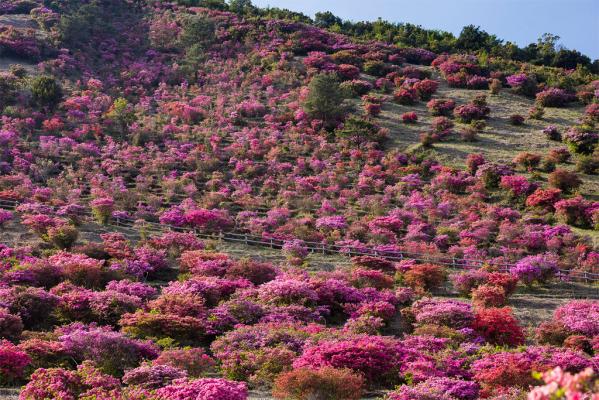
545	51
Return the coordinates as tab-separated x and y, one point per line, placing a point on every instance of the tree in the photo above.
197	35
197	30
283	13
326	19
46	91
472	38
76	28
241	7
213	4
122	115
325	99
569	59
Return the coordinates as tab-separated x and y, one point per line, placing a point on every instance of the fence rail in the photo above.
315	247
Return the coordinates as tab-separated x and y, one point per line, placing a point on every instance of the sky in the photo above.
518	21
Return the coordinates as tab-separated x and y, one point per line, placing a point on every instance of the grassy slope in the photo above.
499	142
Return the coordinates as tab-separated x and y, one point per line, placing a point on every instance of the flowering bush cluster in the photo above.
554	97
470	112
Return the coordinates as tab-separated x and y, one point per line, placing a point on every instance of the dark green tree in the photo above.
472	38
326	19
197	35
569	59
46	91
325	99
241	7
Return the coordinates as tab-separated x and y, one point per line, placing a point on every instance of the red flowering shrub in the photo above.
488	296
405	96
441	125
426	88
80	269
325	383
439	107
573	211
424	277
409	117
467	281
12	363
193	360
506	281
498	326
377	358
470	112
579	343
527	160
371	262
552	332
143	324
473	161
499	371
544	198
361	277
254	271
348	71
592	111
372	109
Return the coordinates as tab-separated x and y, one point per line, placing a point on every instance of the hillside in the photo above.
200	201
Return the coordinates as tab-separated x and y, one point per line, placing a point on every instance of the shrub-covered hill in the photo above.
233	123
205	118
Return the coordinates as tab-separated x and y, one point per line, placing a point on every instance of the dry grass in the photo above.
499	142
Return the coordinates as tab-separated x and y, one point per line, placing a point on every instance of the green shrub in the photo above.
587	164
325	98
376	68
63	236
46	91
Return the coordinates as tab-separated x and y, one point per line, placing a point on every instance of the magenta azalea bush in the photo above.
579	316
377	358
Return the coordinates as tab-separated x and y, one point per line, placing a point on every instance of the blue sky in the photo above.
519	21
